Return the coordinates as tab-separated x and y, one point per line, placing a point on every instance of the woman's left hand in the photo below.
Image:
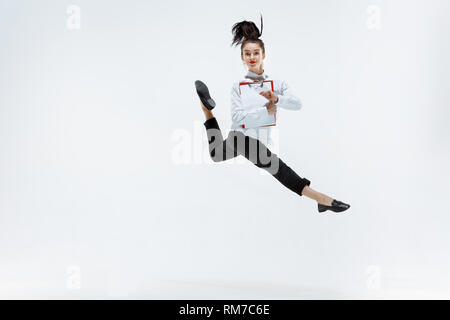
269	95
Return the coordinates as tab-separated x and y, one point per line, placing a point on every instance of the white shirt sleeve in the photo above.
239	115
286	99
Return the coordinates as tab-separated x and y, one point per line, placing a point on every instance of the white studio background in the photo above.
106	189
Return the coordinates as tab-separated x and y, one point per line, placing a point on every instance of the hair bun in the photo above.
245	30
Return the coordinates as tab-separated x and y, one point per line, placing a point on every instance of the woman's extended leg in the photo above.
219	149
257	153
262	157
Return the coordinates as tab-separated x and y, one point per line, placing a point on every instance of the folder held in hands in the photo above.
251	100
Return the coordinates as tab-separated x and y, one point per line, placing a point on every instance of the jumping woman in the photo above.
248	141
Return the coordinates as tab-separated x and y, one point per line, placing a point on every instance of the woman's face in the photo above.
253	57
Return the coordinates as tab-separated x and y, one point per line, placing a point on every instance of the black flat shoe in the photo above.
336	206
203	93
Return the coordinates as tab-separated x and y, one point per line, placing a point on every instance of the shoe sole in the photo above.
203	93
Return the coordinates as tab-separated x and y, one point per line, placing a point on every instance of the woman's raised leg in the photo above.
219	149
262	157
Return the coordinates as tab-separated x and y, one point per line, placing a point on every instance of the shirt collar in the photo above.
255	76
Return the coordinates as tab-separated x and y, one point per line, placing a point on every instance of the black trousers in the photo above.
254	150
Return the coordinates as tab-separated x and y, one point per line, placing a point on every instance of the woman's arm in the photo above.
286	99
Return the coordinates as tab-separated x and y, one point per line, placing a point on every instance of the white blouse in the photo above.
241	115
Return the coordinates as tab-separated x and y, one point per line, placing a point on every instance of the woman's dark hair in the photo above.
245	32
